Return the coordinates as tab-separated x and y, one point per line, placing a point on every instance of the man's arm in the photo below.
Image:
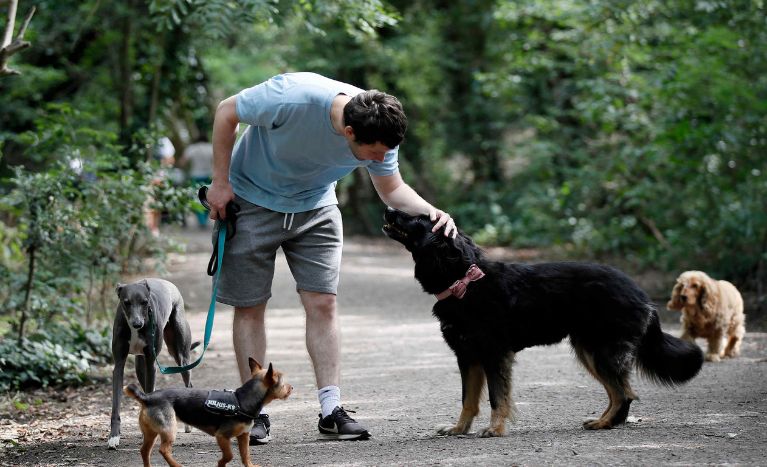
225	127
394	192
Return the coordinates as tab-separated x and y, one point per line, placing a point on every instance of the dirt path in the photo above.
402	380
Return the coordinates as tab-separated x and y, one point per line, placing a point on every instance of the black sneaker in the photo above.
339	425
259	433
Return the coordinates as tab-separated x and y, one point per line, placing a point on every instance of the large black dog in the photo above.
489	310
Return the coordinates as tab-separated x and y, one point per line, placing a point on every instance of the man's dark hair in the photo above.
376	117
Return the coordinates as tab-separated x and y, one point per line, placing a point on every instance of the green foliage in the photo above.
634	128
57	356
78	223
213	19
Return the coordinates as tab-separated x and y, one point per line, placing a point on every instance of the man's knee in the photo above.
251	314
320	305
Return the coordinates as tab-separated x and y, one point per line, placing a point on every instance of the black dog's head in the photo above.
134	303
412	231
439	260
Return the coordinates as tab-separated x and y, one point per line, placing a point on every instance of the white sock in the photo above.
330	398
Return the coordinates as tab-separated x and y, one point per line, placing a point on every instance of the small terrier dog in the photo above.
711	309
223	414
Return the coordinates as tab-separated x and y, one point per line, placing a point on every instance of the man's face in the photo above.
365	152
369	152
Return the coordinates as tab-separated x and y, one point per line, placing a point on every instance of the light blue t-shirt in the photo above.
290	157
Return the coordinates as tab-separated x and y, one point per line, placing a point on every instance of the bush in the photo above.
57	356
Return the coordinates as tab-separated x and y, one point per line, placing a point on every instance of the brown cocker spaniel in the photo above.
710	309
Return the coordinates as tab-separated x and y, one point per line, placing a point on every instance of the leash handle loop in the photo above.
232	209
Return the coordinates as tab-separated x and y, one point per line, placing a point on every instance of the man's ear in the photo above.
349	133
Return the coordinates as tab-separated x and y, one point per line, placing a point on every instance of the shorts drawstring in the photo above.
285	220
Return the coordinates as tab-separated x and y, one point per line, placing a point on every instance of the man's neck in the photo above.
337	112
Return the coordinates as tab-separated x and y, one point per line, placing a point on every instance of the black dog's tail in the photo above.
666	359
135	392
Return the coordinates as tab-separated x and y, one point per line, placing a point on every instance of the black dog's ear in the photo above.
429	238
451	249
119	288
463	247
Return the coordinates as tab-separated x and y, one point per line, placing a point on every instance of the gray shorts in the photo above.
312	243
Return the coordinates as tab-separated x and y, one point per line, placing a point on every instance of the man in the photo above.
306	132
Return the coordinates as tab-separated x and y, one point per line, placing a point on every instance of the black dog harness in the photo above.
225	403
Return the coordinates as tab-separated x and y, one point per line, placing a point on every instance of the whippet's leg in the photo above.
178	338
117	390
140	362
151	372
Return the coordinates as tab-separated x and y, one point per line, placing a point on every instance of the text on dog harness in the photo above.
223	403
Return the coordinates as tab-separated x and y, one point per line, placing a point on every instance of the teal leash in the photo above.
170	370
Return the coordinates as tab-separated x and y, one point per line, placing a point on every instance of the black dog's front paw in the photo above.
449	430
597	424
491	432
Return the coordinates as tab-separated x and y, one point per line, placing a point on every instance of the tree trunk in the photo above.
473	126
10	46
27	293
125	72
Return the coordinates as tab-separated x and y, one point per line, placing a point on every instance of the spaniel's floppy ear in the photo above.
709	296
676	302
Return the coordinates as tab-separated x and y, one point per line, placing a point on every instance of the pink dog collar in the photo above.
458	289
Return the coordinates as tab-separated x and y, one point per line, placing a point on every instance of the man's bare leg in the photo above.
249	337
323	342
322	337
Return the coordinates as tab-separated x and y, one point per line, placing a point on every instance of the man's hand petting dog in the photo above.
225	420
131	335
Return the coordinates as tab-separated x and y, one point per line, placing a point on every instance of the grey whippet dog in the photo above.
131	334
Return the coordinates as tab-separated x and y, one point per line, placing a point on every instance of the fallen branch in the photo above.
11	46
650	225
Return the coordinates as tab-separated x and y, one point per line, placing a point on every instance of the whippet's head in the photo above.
134	303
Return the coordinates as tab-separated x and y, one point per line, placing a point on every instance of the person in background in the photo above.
198	159
164	152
